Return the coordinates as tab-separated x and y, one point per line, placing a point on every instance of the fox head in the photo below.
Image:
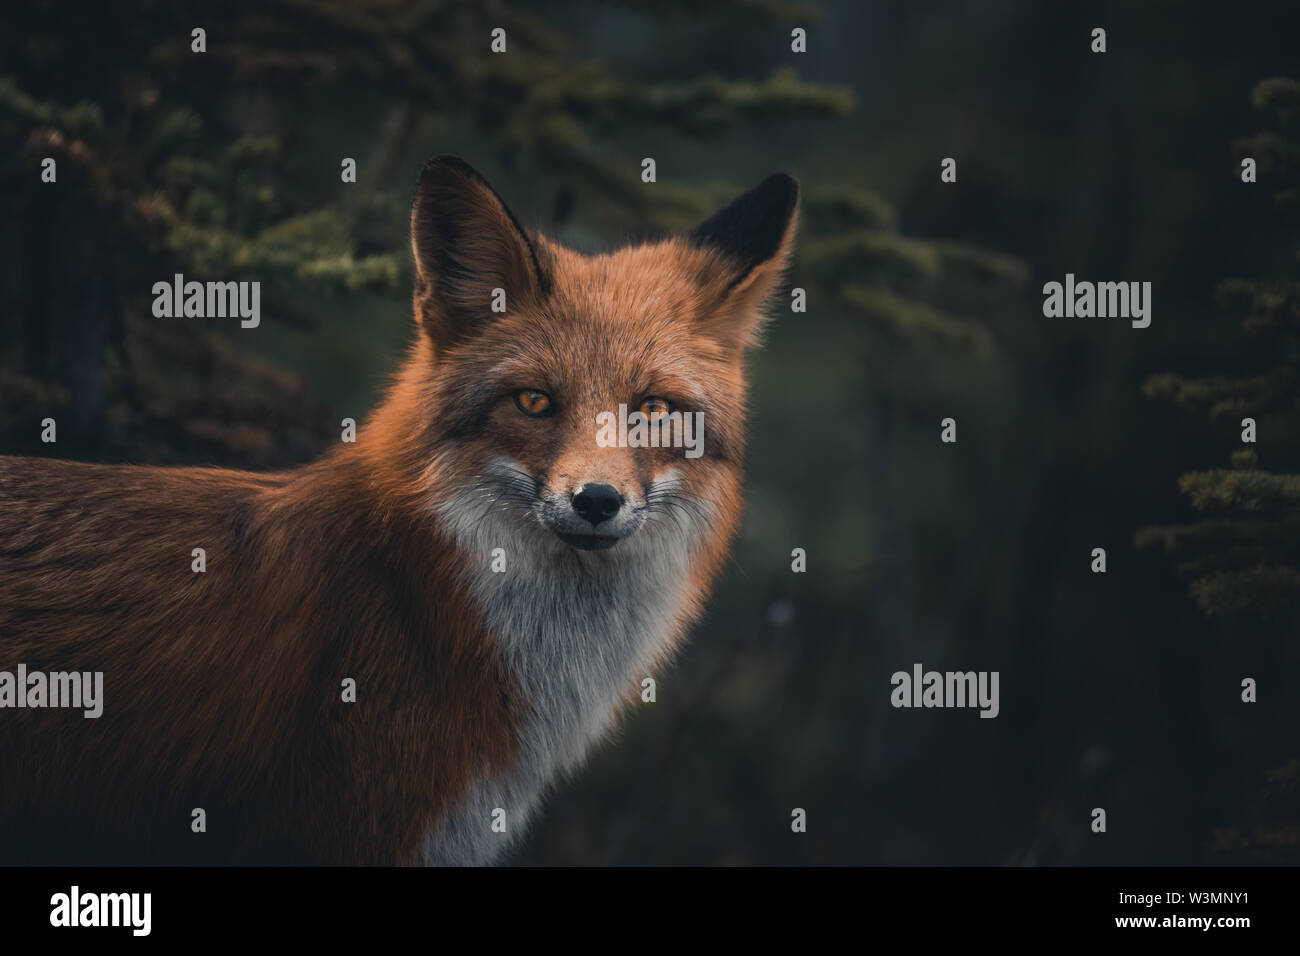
561	387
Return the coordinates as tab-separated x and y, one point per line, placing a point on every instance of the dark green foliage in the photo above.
1241	559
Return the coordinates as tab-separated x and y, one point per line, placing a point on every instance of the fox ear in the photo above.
752	237
467	244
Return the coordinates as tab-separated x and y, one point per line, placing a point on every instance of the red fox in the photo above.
390	654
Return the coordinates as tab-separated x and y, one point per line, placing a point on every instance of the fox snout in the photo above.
597	503
592	508
593	517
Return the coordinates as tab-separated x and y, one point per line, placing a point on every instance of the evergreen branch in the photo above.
1251	491
1261	591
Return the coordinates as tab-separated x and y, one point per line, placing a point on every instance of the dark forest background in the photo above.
1119	690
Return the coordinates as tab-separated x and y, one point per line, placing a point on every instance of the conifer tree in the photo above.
1241	555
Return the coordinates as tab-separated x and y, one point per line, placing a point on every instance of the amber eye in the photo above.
533	402
656	408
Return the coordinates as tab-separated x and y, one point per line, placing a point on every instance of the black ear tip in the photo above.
779	193
781	185
446	164
752	226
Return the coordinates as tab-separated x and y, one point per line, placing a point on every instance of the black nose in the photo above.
595	503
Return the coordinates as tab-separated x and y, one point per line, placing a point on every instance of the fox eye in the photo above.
533	402
656	408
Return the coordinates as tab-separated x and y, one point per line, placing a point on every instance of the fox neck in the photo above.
579	632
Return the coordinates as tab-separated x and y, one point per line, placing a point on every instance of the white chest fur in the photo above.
579	630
